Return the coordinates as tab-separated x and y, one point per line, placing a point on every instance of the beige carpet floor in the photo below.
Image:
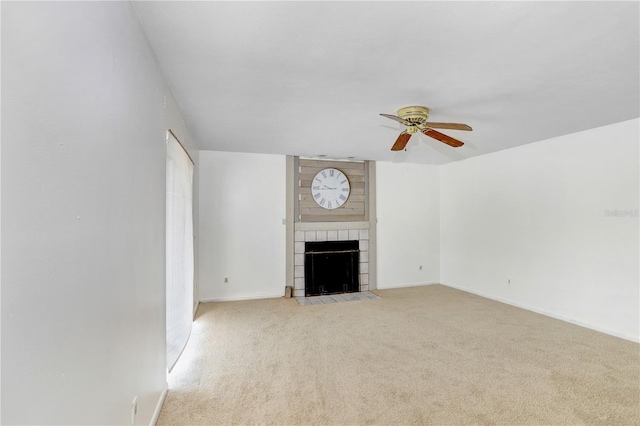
421	355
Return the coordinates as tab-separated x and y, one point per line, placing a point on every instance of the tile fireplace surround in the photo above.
301	237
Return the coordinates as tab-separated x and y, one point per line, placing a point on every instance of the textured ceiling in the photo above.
310	78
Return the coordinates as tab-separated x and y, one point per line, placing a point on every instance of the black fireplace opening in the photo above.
331	267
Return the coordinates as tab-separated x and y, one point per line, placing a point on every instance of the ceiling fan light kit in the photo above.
415	118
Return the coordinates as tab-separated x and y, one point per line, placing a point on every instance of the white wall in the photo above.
536	215
242	234
83	214
408	210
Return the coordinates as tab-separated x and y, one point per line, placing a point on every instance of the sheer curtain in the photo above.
179	251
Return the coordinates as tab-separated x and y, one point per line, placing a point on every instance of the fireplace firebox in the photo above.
331	267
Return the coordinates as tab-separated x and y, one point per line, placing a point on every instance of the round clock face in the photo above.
330	188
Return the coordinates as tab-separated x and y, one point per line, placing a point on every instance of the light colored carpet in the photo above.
421	355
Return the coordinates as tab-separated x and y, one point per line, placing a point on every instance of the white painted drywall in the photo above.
242	234
83	214
408	224
537	215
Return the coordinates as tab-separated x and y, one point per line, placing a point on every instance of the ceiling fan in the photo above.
415	118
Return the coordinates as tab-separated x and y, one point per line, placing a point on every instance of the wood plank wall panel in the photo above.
354	210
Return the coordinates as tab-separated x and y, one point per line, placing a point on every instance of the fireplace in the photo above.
301	237
331	267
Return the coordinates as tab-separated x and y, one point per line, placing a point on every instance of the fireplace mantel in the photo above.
329	226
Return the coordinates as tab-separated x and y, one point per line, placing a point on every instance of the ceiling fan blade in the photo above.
452	126
396	118
401	142
442	137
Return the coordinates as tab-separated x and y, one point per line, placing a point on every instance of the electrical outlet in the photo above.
134	410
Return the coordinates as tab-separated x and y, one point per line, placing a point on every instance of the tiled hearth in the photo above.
336	298
362	235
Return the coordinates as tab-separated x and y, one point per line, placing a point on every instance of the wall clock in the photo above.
330	188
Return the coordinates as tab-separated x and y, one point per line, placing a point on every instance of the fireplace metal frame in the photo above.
332	267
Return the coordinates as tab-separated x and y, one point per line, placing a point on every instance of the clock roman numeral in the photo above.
316	196
343	198
331	172
322	202
316	187
345	189
342	183
324	174
329	204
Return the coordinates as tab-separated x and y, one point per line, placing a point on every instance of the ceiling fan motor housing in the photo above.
414	114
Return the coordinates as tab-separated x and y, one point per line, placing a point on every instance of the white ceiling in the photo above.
310	78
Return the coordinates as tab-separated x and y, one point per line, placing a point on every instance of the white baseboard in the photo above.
236	298
156	413
382	287
547	313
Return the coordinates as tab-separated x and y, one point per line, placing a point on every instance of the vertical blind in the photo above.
179	250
